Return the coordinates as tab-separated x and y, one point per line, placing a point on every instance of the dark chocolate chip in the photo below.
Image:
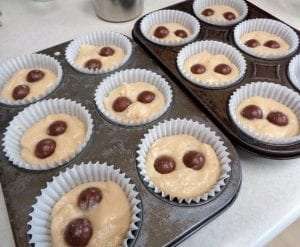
121	103
78	232
252	112
181	33
229	16
146	97
35	75
252	43
198	69
272	44
93	64
223	69
44	148
161	32
194	160
207	12
20	92
57	128
89	197
278	118
106	51
164	164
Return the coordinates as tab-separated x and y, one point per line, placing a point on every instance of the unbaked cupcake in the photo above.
294	71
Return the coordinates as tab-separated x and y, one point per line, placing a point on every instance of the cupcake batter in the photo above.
219	10
183	182
110	218
172	27
66	143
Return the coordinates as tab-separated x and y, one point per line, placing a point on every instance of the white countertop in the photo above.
269	198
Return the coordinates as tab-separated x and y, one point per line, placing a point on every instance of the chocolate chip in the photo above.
146	97
272	44
121	103
89	197
223	69
198	69
20	92
252	112
106	51
57	128
161	32
229	16
35	75
181	33
44	148
164	164
194	160
93	64
278	118
252	43
207	12
78	232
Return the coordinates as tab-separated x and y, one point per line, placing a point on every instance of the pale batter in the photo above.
66	143
88	52
36	88
110	218
183	182
219	10
137	110
172	27
210	61
263	126
263	37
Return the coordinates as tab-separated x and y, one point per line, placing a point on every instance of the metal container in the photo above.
118	10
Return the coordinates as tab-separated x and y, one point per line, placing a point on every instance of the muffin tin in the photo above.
214	102
163	222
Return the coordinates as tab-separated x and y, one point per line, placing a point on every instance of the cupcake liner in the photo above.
98	39
132	76
213	47
269	90
294	71
270	26
203	134
239	5
170	16
41	215
34	113
10	67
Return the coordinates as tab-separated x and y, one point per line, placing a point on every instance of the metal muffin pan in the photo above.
163	223
214	102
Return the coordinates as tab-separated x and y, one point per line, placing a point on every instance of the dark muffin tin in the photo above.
214	102
163	223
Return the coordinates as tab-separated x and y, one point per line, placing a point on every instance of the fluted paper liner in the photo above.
103	38
215	48
266	25
239	5
269	90
170	16
40	222
30	61
294	71
132	76
34	113
203	134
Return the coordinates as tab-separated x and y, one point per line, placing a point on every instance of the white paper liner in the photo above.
239	5
132	76
201	133
294	71
215	48
34	113
270	26
30	61
98	39
269	90
40	222
170	16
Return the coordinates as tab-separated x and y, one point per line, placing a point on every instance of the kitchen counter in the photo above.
269	198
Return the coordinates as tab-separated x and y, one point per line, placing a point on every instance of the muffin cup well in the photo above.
294	71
